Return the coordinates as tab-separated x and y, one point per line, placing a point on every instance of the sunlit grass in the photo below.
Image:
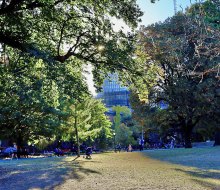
180	169
202	164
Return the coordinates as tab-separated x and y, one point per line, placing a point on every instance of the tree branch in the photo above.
11	7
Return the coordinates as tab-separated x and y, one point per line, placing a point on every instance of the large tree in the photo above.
58	30
61	36
84	119
126	130
28	99
185	51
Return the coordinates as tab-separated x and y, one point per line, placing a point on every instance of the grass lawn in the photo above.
177	169
202	164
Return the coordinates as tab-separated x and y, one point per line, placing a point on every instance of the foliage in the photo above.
125	129
124	135
43	143
31	94
89	117
121	112
145	116
185	49
209	10
27	100
44	47
57	31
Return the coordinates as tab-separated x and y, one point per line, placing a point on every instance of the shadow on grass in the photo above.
203	177
203	162
202	173
43	173
78	172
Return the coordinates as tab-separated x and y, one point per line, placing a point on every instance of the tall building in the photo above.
113	94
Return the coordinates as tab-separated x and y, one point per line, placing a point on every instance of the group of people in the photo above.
11	151
118	148
14	152
58	152
129	147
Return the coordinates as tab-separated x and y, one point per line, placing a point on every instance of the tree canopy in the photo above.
185	53
44	48
58	30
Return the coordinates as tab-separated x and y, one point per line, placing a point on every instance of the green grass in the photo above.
180	169
40	173
202	164
202	158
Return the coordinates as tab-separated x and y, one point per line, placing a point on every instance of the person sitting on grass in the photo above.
10	152
118	148
74	149
88	152
25	152
58	152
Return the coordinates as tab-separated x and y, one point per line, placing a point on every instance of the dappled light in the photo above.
41	174
110	95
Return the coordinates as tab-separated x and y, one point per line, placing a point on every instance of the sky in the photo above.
153	12
162	9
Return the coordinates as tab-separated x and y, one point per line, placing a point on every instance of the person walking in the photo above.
130	149
14	151
141	144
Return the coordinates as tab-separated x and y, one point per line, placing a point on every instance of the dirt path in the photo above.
128	171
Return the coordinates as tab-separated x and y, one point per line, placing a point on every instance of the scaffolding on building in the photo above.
113	93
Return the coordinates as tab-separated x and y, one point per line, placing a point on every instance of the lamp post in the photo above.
114	140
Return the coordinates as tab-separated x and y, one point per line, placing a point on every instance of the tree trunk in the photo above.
19	144
217	138
77	137
187	135
188	143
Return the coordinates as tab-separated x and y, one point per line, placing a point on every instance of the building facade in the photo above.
113	94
